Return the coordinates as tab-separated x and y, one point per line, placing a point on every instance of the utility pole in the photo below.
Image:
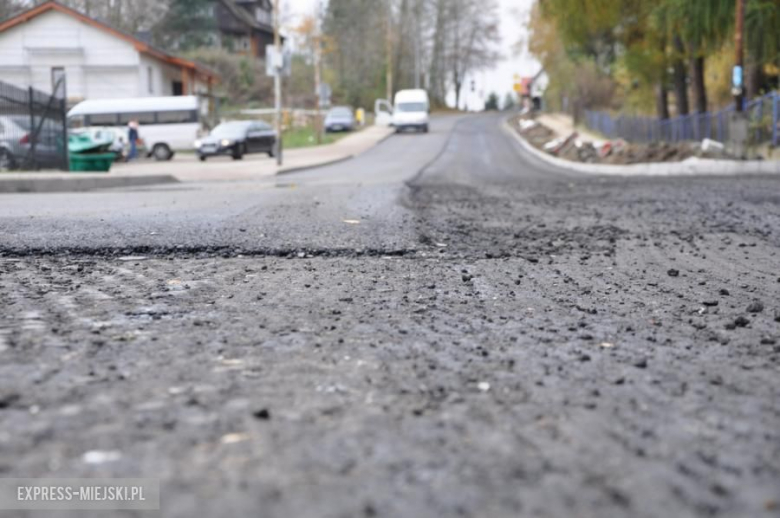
739	68
417	57
278	84
318	70
389	51
738	121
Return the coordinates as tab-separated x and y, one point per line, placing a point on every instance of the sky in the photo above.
499	78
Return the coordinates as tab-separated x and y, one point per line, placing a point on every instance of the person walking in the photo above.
132	137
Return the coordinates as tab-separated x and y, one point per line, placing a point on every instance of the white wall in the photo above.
98	65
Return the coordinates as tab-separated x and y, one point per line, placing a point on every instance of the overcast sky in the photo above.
514	13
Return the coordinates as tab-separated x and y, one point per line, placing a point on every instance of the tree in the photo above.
473	37
186	25
695	29
130	16
635	43
492	102
593	87
510	101
358	60
243	79
762	30
8	8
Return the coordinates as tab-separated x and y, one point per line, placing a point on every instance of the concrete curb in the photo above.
331	162
79	184
698	167
302	168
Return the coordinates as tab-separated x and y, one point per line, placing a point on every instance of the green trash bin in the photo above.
91	162
87	155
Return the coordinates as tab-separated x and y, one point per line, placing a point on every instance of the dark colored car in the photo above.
340	118
237	139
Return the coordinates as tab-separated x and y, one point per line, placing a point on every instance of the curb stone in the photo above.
79	184
302	168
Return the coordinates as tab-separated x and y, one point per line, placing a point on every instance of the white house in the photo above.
99	62
539	84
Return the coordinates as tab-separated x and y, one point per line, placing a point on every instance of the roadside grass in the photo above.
307	137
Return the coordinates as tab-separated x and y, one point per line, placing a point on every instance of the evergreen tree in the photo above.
187	25
492	102
510	101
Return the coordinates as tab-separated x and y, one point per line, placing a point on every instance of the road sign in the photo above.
324	95
274	61
737	77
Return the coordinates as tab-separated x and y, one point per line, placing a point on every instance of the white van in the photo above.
166	124
411	110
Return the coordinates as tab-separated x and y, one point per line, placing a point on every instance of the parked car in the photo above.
237	138
16	142
340	118
411	110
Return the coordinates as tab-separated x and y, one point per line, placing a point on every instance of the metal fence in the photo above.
33	128
763	114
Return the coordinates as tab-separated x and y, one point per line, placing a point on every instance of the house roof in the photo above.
245	16
140	46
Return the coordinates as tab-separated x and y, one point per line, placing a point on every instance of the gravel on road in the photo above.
528	353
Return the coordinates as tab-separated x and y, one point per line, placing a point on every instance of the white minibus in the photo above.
166	124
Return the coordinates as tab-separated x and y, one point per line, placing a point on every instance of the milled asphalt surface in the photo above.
481	337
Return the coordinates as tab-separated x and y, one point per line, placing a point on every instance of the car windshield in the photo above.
340	112
411	107
230	130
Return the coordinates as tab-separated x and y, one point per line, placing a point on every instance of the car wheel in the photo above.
7	159
425	129
238	153
202	158
161	152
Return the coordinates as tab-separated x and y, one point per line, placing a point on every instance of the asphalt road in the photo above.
441	327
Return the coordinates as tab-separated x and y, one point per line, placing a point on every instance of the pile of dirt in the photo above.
654	152
616	152
534	132
581	152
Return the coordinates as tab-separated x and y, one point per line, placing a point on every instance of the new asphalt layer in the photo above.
444	326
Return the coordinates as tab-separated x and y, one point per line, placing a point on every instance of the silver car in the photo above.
15	143
340	118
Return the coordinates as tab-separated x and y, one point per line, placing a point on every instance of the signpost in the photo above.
277	62
318	71
324	94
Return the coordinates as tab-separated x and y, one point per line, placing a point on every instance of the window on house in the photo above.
178	88
263	16
150	80
57	88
